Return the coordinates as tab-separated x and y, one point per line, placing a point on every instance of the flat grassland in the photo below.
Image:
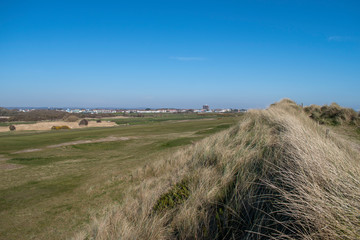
51	181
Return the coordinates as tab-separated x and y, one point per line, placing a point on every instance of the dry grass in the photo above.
333	114
276	175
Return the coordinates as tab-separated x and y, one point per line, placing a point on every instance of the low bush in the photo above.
83	122
177	195
59	127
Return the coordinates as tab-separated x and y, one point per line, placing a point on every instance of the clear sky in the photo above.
179	53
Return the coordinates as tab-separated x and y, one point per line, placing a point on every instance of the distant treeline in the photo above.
43	114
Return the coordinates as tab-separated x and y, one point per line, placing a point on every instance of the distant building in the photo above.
206	107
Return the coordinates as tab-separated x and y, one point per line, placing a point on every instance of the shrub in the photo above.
59	127
83	122
177	195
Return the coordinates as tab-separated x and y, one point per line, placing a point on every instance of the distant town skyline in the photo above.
180	54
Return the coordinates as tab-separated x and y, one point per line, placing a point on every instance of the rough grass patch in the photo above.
214	129
175	196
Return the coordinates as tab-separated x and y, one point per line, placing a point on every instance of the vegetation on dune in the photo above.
333	114
275	175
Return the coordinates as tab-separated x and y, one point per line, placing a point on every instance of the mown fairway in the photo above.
52	192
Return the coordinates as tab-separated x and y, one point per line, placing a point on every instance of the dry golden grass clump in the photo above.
275	175
333	114
60	127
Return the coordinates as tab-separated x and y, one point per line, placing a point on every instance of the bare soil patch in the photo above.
46	125
7	166
10	166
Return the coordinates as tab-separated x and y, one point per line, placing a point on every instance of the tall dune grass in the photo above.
275	175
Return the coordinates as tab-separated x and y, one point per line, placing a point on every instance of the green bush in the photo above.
177	195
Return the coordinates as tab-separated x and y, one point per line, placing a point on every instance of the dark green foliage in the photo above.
177	195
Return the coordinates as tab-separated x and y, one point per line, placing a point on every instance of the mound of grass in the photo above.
333	115
275	175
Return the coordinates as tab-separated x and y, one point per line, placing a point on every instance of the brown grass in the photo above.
276	175
333	114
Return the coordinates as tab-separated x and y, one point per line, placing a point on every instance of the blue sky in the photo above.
239	54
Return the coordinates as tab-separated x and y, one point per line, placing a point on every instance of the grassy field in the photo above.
277	174
153	118
52	192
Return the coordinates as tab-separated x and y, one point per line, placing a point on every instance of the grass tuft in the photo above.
177	195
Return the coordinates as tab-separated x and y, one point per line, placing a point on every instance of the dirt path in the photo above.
107	139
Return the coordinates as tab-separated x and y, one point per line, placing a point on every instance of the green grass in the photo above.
214	129
37	161
164	117
23	195
178	142
175	196
50	193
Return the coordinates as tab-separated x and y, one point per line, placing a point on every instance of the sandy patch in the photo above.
7	166
3	159
10	166
46	125
107	139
